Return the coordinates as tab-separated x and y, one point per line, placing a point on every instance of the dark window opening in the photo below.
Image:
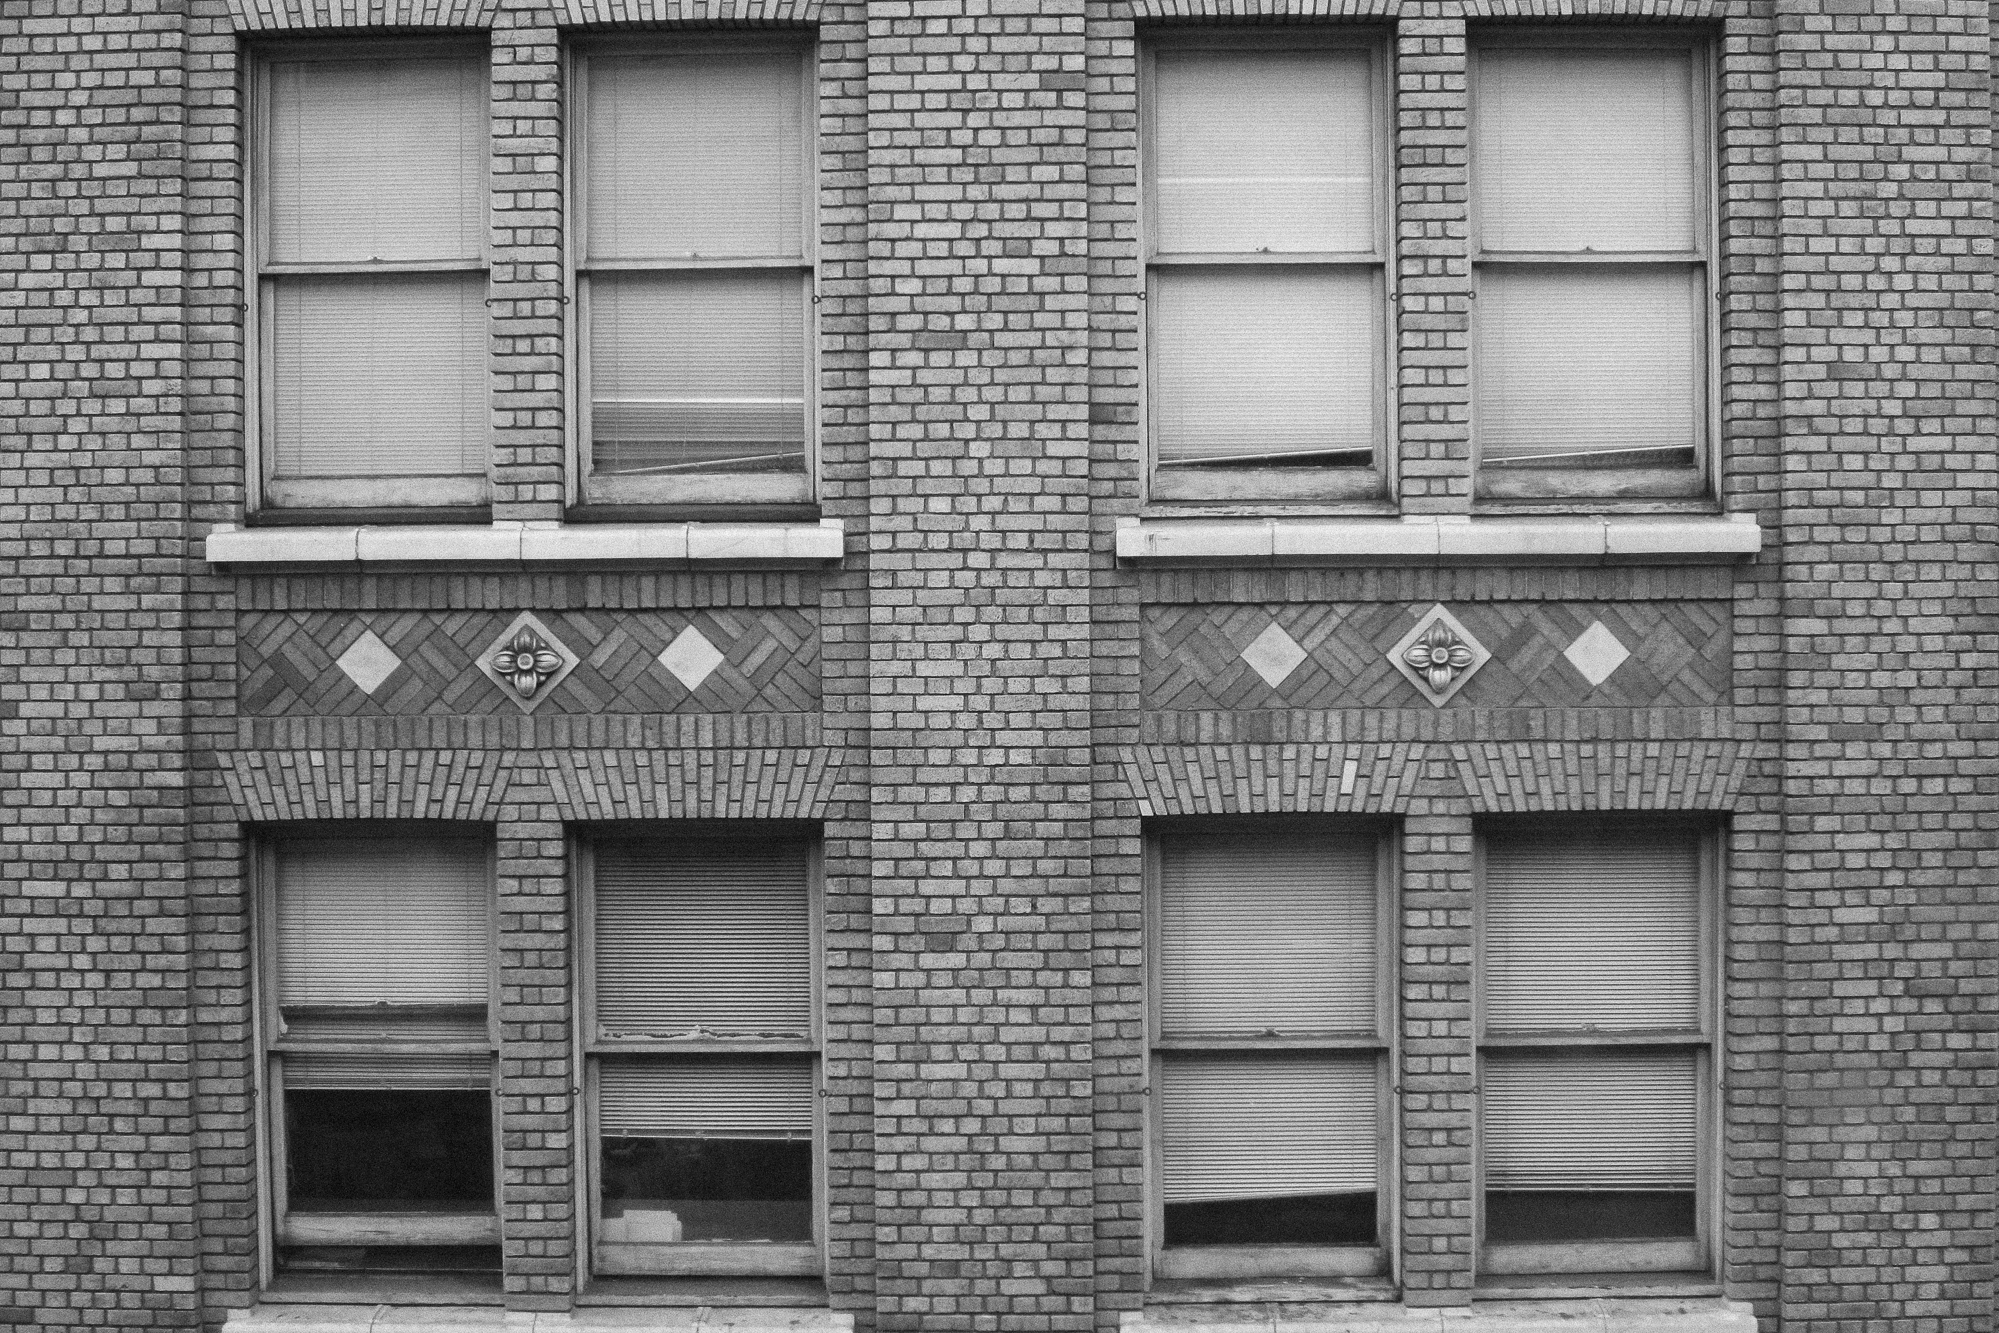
389	1258
660	1189
389	1151
1556	1216
1313	1219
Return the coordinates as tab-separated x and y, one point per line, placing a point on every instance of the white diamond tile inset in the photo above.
1274	656
690	657
1596	653
368	662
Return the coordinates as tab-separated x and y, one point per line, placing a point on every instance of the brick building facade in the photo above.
1000	670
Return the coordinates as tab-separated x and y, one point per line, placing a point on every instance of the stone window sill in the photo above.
1680	1314
1622	539
268	1318
520	545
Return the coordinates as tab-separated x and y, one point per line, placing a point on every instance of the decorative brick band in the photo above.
691	784
1271	779
1606	775
274	786
1287	11
319	15
702	13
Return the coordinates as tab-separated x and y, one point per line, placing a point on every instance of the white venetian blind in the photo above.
1588	360
1267	1127
1585	150
699	154
390	1071
740	1099
1608	1120
703	935
376	374
1267	933
1253	363
378	159
382	922
1593	930
1263	151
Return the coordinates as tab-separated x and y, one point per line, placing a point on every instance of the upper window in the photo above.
693	242
701	1033
1265	277
377	991
1592	233
1596	1019
1269	1013
368	248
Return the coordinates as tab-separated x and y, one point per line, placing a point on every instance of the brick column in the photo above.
979	655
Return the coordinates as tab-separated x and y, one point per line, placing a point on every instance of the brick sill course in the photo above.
520	545
1426	540
1677	1314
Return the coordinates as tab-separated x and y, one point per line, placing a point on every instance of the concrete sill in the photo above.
519	546
1634	539
476	1319
1623	1315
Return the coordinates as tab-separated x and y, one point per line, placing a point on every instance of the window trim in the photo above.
1703	1040
1564	490
394	498
1372	486
725	490
693	1258
437	1227
1253	1262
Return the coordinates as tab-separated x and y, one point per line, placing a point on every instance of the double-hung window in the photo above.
1269	1012
701	1033
1266	252
694	272
379	1054
1595	991
368	248
1592	226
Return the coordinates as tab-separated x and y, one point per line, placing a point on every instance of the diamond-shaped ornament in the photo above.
368	662
1438	656
690	658
527	662
1596	653
1273	655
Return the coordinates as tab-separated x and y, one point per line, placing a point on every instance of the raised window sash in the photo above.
373	342
1595	997
1591	331
378	986
702	1038
1267	1014
1266	322
695	279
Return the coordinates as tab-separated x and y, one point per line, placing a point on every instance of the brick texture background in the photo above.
979	707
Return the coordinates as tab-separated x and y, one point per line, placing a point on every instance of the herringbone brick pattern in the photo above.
287	662
1192	655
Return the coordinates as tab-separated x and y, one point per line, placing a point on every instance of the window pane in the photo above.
1586	366
696	154
379	375
1261	933
1595	1120
378	159
697	372
1265	366
382	922
1264	150
1593	927
1244	1129
1580	150
361	1151
703	936
1530	1217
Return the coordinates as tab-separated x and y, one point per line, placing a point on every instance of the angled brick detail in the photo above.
268	16
701	13
277	786
599	785
1271	779
1519	777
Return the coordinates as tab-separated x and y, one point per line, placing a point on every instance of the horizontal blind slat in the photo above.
1234	1128
1604	1121
721	1099
397	1072
385	922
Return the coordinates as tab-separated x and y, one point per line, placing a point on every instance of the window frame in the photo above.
1703	1040
1256	1262
438	1227
432	499
728	491
1627	488
678	1259
1370	487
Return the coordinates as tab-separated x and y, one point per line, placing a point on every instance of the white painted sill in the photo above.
523	545
1610	1315
1430	540
487	1319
